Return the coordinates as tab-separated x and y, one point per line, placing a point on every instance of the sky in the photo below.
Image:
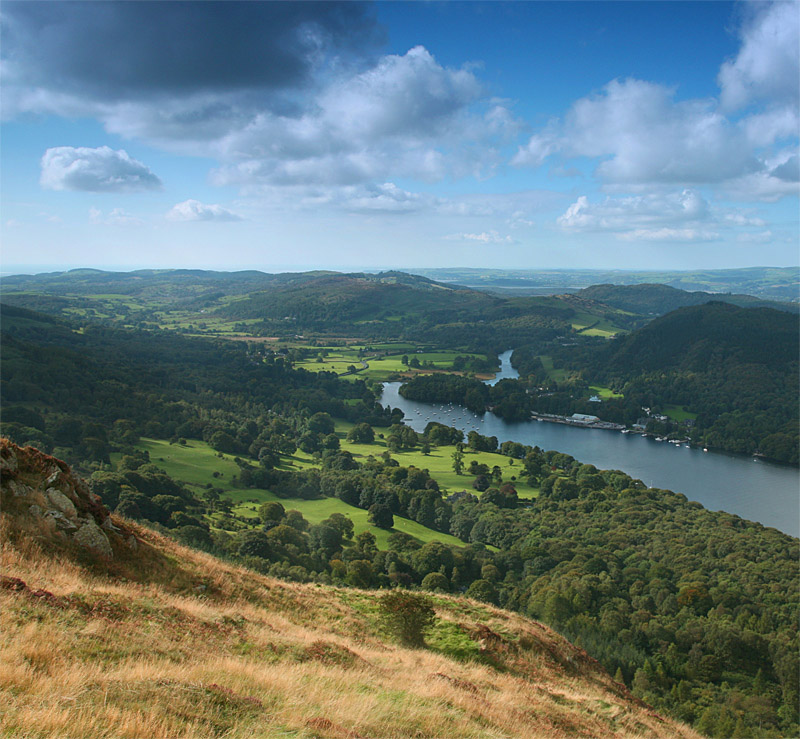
301	135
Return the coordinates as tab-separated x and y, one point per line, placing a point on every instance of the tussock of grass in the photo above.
251	656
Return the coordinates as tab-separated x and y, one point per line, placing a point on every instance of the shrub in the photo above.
407	616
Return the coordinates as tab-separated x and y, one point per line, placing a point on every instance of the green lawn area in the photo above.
678	413
582	322
554	374
195	463
315	511
604	392
439	463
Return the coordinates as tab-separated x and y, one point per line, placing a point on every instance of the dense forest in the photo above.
733	370
696	611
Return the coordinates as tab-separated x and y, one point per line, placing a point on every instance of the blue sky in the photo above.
281	136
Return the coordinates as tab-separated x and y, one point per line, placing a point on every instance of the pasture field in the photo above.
679	413
558	375
197	465
604	392
588	324
315	511
439	463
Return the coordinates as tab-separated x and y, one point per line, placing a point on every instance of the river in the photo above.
750	488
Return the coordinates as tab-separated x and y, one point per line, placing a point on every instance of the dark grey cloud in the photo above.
127	50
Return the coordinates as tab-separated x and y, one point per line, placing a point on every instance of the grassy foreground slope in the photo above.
153	639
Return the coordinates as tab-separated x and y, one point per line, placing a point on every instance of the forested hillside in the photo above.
655	300
127	633
735	368
664	593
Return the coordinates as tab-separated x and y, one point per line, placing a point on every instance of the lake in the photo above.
753	489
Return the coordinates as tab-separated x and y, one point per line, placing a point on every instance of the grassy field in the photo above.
589	325
382	367
315	511
604	392
439	463
678	413
197	465
558	375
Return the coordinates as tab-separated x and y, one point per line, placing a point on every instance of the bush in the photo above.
407	616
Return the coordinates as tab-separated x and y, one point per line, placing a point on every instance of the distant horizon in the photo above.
566	135
25	270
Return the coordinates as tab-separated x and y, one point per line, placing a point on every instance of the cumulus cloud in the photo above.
95	170
408	116
279	93
485	237
678	216
116	217
641	134
194	210
766	67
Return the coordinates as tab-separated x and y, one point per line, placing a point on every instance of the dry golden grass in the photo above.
250	656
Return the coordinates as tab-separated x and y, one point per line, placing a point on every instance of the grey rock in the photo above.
54	477
19	489
132	542
35	510
9	463
62	502
61	521
91	535
109	526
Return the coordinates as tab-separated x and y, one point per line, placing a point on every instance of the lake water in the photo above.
753	489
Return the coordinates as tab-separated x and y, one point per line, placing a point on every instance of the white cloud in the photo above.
668	234
640	134
485	237
95	170
767	66
386	198
115	217
759	237
678	216
406	117
194	210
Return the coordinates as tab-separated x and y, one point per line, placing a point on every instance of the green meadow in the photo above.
679	413
604	392
197	465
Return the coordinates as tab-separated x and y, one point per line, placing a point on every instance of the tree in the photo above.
458	461
436	581
483	590
271	511
407	616
254	544
361	433
380	515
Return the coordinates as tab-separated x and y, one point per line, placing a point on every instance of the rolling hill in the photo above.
125	633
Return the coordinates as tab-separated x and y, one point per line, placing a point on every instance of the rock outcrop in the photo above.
43	489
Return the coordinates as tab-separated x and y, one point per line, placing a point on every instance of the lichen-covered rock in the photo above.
19	489
61	502
92	536
8	461
61	521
